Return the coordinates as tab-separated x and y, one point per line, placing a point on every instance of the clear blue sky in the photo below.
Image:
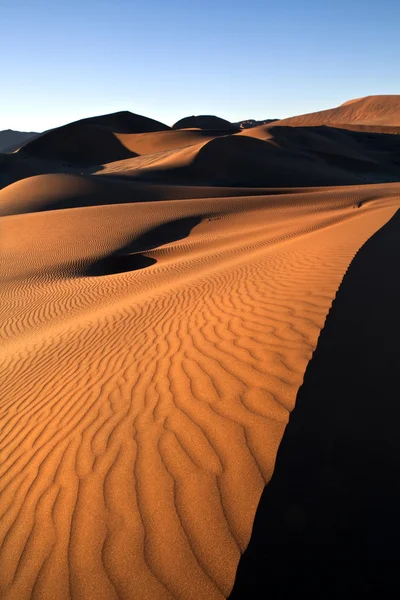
61	61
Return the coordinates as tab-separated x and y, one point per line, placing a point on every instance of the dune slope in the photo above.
205	122
345	449
208	151
383	110
90	141
151	354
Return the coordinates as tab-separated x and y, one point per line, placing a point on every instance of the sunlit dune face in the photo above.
158	314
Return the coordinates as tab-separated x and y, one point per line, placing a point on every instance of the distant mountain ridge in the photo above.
11	140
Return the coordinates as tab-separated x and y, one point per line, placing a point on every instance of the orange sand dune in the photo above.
360	153
90	141
278	154
159	308
143	405
149	143
281	157
68	190
371	110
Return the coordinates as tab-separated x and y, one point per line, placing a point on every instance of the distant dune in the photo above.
126	122
375	111
264	156
11	140
205	122
162	293
244	161
90	141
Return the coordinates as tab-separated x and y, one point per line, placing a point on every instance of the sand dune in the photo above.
365	154
371	110
155	331
77	143
68	190
280	157
271	155
150	143
90	141
126	122
205	122
333	495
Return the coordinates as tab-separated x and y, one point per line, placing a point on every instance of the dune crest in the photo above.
208	122
383	110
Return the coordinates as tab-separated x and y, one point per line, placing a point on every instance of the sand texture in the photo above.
371	112
157	319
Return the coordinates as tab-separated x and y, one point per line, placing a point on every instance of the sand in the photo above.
154	337
370	112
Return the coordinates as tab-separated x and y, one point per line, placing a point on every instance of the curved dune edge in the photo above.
333	495
378	110
142	411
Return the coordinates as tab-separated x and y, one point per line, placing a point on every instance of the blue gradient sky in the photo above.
61	61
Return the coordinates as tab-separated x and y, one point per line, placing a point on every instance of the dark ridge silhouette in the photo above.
335	491
126	122
130	257
11	140
90	141
206	122
77	144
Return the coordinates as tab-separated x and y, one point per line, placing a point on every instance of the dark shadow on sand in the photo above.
335	492
130	257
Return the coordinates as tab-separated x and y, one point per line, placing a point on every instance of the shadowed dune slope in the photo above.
205	122
263	157
86	148
77	144
124	145
126	122
335	492
150	143
369	153
371	110
242	160
90	141
62	190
